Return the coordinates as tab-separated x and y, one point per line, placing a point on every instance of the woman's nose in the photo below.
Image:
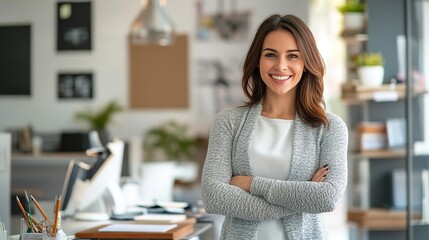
281	65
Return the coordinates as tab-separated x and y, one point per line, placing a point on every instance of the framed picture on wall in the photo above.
74	26
75	86
15	55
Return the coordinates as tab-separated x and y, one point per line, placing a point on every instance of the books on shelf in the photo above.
396	132
420	192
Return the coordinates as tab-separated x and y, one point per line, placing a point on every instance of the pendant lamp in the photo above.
152	26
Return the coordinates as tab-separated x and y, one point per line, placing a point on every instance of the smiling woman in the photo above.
271	167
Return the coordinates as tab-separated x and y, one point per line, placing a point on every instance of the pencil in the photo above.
57	212
40	208
23	212
30	219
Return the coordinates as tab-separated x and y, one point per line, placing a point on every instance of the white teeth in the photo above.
280	77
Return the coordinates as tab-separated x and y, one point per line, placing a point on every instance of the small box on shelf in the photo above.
372	136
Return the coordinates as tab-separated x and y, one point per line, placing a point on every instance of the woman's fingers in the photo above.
321	174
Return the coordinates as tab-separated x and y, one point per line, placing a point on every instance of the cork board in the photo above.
159	75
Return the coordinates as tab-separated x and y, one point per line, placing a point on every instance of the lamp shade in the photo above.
152	26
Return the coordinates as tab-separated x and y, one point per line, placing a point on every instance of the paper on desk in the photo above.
137	228
160	218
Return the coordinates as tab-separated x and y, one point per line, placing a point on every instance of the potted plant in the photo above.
169	141
169	153
370	68
100	120
354	18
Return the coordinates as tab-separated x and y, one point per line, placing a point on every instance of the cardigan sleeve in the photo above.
307	196
218	195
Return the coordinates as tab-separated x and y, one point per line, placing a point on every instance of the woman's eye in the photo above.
270	55
293	56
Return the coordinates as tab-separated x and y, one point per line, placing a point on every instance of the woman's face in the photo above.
281	64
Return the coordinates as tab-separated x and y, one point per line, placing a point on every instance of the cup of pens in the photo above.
43	228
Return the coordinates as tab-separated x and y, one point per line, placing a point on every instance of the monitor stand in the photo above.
91	216
94	212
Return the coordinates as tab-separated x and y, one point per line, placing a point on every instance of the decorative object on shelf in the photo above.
370	67
396	132
152	26
100	120
354	17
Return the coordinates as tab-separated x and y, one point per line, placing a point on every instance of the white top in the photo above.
270	157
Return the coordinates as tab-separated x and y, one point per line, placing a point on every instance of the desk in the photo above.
201	230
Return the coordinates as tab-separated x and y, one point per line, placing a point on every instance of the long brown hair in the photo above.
309	100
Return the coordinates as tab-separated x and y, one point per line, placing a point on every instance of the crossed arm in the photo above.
244	182
257	198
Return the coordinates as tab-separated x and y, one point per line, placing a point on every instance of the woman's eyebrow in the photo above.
293	50
269	49
273	50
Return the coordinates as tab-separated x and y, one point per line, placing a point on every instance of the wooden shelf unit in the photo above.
378	219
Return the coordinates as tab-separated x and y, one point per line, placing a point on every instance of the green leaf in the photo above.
101	119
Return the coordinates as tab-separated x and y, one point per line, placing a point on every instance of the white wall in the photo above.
109	61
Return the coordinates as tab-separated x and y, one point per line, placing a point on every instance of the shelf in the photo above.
378	219
354	37
380	154
352	93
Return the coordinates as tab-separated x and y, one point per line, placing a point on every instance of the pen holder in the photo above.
44	235
3	234
60	235
48	231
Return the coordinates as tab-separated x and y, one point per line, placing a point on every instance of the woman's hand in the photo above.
320	175
242	182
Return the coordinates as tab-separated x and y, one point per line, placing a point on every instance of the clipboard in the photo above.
181	230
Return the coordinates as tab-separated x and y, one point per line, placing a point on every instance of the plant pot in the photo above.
157	181
354	21
371	76
186	171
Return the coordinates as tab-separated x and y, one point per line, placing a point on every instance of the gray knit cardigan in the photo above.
297	201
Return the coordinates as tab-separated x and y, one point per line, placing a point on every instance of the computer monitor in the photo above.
88	189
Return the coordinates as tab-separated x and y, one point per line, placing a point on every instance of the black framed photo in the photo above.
74	26
15	64
75	86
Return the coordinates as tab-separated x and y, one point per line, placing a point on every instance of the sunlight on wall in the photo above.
326	23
